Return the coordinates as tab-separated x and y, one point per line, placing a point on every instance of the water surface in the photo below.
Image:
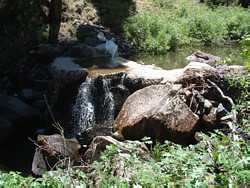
172	60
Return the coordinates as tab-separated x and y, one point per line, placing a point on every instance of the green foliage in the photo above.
55	179
213	3
208	163
245	43
173	24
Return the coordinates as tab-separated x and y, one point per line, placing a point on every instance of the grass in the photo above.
171	24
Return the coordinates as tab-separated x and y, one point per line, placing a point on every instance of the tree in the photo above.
55	14
244	3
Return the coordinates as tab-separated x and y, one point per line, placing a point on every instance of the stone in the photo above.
16	111
211	117
65	69
81	51
57	150
230	70
221	111
39	104
99	144
203	57
151	72
157	111
6	128
85	31
30	95
207	104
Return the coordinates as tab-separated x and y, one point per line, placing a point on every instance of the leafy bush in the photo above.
164	29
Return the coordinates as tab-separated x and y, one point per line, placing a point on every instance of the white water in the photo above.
83	110
94	104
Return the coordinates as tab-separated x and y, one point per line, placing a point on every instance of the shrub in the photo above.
151	33
169	28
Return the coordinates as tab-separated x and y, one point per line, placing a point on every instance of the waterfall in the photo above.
83	110
107	105
94	105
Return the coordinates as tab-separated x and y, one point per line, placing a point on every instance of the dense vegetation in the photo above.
171	24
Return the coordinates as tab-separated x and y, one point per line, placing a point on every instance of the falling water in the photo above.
83	110
107	105
94	104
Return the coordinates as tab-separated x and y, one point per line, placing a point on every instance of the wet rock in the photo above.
81	51
65	69
57	150
159	112
203	57
100	143
64	87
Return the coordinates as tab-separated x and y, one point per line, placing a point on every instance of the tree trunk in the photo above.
245	3
55	13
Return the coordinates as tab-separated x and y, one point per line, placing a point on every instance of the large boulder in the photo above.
151	72
157	111
16	111
18	123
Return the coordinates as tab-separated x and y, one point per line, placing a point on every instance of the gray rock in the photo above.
203	58
39	104
66	70
13	109
81	51
221	111
30	95
6	128
55	147
159	112
16	117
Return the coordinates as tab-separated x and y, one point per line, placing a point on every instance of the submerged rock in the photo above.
203	57
157	111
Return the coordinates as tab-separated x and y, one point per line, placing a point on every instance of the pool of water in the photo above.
171	60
